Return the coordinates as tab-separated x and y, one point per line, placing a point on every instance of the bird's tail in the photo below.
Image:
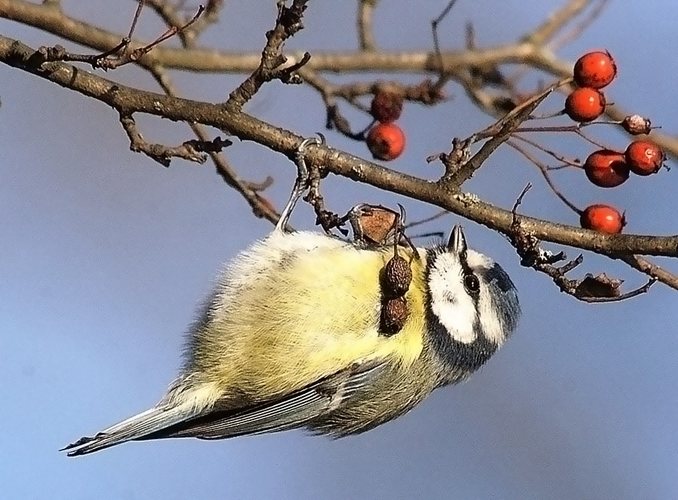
137	427
183	402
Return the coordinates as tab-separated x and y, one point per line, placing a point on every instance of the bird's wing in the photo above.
186	420
288	412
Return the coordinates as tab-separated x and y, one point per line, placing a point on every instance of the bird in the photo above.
290	338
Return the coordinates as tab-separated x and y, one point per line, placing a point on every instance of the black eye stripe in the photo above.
471	281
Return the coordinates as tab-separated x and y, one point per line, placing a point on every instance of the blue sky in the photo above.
105	256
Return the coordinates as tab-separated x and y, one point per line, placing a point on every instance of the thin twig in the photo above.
498	133
645	266
434	29
624	296
577	30
250	191
172	16
592	289
426	220
364	22
288	22
556	22
544	172
443	76
120	54
568	162
189	150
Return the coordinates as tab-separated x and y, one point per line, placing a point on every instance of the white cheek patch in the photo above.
449	301
490	323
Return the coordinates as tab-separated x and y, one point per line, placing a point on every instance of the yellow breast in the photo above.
310	309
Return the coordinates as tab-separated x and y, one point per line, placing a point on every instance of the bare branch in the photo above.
556	22
287	24
173	16
498	133
129	100
364	22
250	191
645	266
119	55
599	288
454	63
577	30
189	150
545	173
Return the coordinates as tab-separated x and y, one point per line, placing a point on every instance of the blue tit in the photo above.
290	338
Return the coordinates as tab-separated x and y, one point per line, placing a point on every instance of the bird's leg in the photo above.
301	183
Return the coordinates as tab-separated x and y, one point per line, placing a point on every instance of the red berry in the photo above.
606	168
585	104
386	141
644	157
602	218
595	70
386	106
636	124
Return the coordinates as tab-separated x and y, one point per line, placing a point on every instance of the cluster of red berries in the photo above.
607	168
386	140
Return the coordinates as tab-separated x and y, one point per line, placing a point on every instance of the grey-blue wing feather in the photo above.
221	421
288	412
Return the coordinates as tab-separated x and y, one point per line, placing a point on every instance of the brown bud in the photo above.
386	106
637	125
396	277
394	313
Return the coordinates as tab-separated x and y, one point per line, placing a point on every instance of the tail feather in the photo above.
136	427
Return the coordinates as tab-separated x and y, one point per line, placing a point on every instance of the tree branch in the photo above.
455	64
127	100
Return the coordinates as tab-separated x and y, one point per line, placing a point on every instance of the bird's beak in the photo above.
457	243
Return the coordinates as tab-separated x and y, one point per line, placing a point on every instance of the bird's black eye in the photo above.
471	283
